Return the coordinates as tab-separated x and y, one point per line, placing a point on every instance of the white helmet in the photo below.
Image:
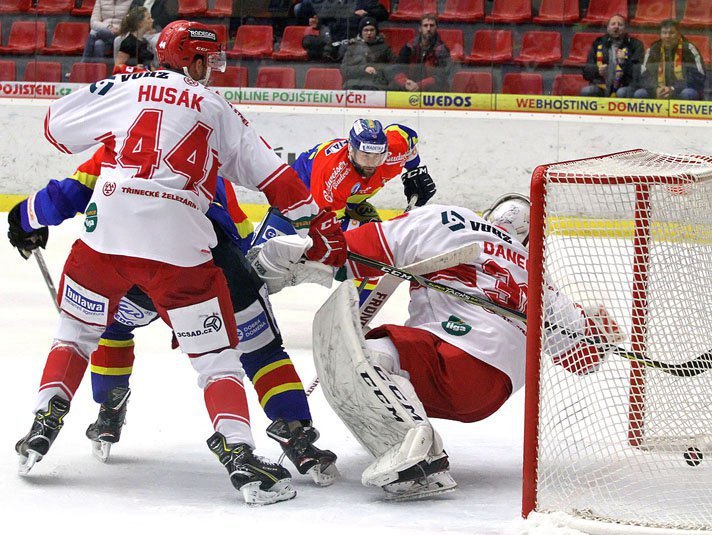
511	212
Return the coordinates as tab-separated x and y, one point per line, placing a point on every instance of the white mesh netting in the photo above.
632	232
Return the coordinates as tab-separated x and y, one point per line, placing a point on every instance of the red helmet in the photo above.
182	40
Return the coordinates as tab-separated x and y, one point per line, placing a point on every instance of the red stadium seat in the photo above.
234	76
7	71
522	83
569	85
698	14
580	47
397	37
599	11
491	46
69	39
26	37
43	71
222	8
87	73
454	41
702	43
252	41
504	11
85	9
53	7
413	9
653	12
192	8
14	6
472	82
323	78
541	49
291	49
462	11
220	30
646	38
558	12
282	77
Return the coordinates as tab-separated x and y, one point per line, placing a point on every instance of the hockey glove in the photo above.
329	243
418	182
363	212
22	240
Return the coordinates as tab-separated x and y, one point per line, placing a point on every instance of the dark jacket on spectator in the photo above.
631	67
339	15
359	55
429	66
163	12
693	68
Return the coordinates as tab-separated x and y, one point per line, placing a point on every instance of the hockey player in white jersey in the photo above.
451	359
166	136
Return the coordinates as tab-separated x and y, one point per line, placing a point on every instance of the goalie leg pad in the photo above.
369	403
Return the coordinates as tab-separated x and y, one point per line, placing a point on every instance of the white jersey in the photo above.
498	274
167	137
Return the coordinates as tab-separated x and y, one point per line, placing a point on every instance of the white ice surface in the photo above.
161	476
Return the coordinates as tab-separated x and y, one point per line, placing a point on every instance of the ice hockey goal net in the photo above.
631	231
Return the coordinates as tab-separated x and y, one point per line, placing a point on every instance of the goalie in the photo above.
451	359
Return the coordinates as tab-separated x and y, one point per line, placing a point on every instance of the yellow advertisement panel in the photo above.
439	101
582	105
690	109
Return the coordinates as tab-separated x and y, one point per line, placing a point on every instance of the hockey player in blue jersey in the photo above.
264	358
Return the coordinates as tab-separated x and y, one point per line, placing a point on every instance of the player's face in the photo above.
366	163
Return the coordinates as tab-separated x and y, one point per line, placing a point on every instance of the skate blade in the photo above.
101	450
281	491
26	463
324	476
413	490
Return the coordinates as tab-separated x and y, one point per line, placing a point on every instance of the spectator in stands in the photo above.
163	12
341	16
134	50
614	61
424	62
673	67
105	22
367	61
317	41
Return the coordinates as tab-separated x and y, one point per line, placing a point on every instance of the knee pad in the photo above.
212	366
82	336
382	352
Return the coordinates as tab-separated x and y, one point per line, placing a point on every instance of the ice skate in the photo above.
260	481
297	442
107	428
423	480
35	445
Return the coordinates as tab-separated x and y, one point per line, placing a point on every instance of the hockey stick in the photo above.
46	276
691	368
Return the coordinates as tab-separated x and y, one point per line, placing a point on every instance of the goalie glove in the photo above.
418	182
329	243
21	239
279	262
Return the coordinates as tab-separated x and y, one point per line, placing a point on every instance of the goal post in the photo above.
626	444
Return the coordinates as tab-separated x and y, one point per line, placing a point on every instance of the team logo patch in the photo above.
190	81
109	188
253	328
452	220
84	304
199	328
455	326
133	315
90	218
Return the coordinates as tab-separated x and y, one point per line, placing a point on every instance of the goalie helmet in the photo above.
511	212
181	41
368	146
